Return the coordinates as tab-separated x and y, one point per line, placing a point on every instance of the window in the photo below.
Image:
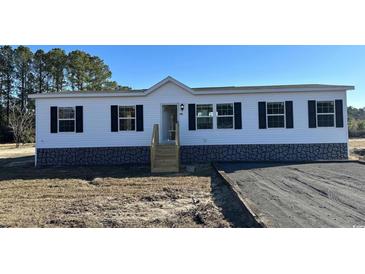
275	115
204	118
66	119
224	115
127	118
325	114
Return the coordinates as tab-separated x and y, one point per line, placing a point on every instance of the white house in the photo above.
250	123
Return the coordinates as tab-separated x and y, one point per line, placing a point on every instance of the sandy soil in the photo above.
125	197
303	195
111	196
106	197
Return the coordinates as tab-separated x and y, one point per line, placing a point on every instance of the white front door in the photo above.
168	125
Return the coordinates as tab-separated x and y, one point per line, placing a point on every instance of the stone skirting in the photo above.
191	154
92	156
272	152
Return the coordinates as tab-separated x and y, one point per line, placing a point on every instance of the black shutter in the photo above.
192	114
79	119
54	127
139	117
289	114
312	115
339	113
262	115
114	118
237	115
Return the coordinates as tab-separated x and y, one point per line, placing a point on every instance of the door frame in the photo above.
161	118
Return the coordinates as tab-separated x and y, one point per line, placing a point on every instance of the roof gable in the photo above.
169	79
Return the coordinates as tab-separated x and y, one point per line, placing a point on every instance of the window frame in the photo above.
66	119
327	113
128	118
283	114
220	116
196	117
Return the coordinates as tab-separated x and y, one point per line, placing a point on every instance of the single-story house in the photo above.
245	123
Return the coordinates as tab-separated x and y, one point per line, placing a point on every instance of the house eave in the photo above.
197	91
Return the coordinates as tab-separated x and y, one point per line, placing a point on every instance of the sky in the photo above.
204	66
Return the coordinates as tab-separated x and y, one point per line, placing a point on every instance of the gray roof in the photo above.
237	88
198	91
274	87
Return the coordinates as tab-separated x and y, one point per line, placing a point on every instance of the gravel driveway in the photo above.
302	195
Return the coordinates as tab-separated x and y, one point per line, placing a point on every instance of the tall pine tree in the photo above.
39	71
56	68
23	58
7	73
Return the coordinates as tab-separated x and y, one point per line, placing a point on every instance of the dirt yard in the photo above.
115	196
109	196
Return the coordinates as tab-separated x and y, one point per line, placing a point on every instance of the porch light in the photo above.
182	107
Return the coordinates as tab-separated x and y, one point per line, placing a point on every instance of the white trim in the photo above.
66	119
166	80
327	113
220	116
128	118
267	115
196	116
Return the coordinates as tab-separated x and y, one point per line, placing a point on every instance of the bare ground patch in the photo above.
107	197
110	196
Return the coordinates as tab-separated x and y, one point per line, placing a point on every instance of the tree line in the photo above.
23	72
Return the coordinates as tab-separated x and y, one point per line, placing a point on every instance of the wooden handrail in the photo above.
158	152
155	135
177	141
154	142
177	134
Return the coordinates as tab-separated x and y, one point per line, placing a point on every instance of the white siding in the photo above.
97	131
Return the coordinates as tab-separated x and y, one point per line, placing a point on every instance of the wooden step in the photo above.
164	149
165	158
167	153
165	162
164	169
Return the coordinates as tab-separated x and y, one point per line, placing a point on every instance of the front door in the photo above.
169	120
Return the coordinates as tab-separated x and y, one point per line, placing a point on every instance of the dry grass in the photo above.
357	149
103	196
11	151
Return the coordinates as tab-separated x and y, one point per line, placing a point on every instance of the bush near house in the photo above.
356	122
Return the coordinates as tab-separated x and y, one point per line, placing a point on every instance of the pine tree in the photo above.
7	75
56	68
78	67
23	58
39	71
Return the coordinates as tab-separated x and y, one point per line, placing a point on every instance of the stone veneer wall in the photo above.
92	156
271	152
191	154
